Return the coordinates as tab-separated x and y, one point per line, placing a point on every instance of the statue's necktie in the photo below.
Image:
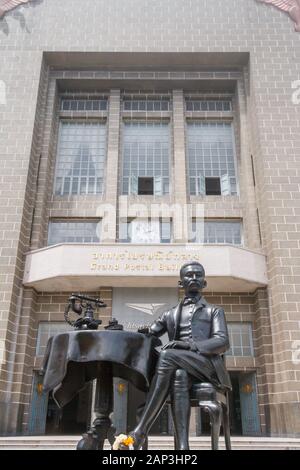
189	300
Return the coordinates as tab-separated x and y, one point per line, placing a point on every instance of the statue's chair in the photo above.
213	401
216	403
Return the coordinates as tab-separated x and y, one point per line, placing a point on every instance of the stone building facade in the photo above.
183	104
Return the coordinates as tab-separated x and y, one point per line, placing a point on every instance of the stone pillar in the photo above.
277	199
179	180
262	340
45	171
15	398
246	174
277	382
109	227
19	163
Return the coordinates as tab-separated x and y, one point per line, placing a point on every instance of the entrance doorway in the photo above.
73	418
243	404
47	418
135	307
163	423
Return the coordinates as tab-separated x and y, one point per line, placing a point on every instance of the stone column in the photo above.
262	340
179	179
246	174
16	399
18	178
109	212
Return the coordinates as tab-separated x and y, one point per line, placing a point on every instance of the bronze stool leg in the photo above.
215	412
226	426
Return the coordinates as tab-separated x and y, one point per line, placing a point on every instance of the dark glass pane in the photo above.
66	105
213	186
145	186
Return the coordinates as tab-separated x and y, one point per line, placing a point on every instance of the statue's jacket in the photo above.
209	333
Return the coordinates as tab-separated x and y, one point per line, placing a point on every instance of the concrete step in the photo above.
155	443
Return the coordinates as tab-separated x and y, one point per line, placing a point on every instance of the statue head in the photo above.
192	278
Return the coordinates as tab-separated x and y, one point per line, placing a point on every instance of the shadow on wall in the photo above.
18	16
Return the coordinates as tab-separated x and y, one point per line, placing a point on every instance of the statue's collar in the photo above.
198	301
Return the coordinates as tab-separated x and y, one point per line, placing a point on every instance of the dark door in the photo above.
38	407
203	422
136	400
235	406
74	418
249	405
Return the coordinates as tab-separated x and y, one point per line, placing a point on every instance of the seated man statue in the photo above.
198	337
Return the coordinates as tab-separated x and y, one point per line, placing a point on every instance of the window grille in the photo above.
217	231
80	159
241	340
74	232
146	153
45	331
208	105
83	104
210	150
146	105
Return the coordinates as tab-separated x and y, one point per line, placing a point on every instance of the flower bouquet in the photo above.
123	442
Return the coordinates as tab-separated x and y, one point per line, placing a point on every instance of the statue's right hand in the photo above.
144	330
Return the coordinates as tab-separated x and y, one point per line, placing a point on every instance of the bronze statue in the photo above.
197	339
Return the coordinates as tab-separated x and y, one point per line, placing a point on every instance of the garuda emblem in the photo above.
292	7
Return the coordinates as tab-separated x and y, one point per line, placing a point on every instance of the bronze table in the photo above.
74	358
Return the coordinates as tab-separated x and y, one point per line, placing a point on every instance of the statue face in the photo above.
193	279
